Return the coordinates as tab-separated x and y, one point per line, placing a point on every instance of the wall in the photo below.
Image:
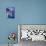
31	11
6	25
27	12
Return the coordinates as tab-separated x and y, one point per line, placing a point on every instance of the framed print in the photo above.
32	32
10	12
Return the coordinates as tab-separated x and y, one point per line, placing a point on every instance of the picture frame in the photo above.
10	12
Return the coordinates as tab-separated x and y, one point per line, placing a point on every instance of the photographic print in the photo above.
31	34
10	12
